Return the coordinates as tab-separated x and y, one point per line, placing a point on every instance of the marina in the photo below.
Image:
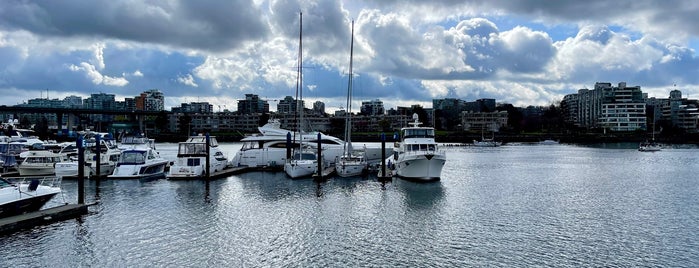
531	205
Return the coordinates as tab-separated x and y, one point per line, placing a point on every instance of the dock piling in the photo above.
81	170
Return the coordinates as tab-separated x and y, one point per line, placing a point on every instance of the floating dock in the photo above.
41	217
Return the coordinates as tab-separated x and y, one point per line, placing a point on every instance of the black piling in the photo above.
288	146
98	157
319	160
208	160
81	170
383	175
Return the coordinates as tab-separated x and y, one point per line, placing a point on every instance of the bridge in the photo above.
137	114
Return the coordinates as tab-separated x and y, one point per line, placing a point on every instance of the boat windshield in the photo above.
132	157
420	147
4	183
305	156
418	133
192	149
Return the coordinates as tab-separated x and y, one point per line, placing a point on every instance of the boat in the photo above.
140	162
350	163
109	156
650	146
38	163
417	156
191	158
131	142
303	161
486	142
547	142
26	195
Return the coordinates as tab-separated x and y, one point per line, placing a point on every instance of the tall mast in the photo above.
348	118
299	83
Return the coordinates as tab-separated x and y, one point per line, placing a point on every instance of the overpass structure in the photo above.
59	112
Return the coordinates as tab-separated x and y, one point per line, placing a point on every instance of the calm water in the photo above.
509	206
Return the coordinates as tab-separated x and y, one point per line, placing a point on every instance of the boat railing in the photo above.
35	181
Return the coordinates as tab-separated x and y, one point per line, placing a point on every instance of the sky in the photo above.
406	52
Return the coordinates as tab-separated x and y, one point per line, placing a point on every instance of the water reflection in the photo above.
420	196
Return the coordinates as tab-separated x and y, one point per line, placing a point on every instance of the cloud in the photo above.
96	77
187	80
205	25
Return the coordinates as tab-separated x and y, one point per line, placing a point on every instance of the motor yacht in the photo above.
417	156
191	158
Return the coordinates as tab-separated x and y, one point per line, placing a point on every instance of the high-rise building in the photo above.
372	107
252	104
289	105
319	107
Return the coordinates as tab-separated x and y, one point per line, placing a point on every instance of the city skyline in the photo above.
406	52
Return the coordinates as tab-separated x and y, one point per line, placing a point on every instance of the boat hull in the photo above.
194	167
150	170
420	167
300	168
24	205
35	170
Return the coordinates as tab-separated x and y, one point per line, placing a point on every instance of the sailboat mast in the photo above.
299	83
348	118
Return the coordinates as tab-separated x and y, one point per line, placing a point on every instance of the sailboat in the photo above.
650	146
486	142
303	161
350	163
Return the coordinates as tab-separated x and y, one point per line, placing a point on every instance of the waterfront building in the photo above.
623	108
681	112
289	105
620	108
150	100
194	107
483	121
252	104
319	107
372	107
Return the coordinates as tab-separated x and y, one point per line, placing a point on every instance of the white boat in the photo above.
304	161
649	146
486	143
109	156
38	163
26	195
139	162
267	150
350	163
191	158
547	142
417	156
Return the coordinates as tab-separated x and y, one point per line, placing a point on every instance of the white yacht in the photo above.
38	163
26	196
417	156
131	142
486	143
268	148
191	158
139	162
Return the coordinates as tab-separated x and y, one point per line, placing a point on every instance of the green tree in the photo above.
185	123
161	122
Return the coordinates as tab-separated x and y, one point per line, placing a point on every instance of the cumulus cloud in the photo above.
187	80
96	77
207	25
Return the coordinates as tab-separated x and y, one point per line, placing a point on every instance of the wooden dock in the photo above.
41	217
